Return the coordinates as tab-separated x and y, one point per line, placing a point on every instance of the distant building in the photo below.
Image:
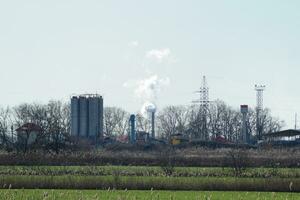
87	116
28	133
285	135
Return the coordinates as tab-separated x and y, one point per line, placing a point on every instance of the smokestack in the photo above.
153	124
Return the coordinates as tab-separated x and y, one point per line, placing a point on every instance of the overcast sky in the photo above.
120	49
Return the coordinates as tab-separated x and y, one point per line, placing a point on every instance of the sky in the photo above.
133	51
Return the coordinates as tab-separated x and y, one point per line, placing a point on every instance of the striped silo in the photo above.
74	116
83	116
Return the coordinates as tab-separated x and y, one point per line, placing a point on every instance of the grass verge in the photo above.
148	171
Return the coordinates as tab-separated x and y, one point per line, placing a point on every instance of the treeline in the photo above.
221	119
54	119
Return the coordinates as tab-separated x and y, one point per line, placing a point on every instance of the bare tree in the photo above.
224	120
173	120
30	113
58	125
115	121
238	159
6	137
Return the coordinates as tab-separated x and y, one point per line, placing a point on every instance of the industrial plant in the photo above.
87	123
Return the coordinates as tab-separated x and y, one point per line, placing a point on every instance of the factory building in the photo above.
87	116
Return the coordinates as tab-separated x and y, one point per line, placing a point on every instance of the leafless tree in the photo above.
115	121
238	159
225	120
30	113
173	120
58	125
6	137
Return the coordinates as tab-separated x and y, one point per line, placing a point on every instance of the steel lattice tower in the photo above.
259	108
204	106
204	94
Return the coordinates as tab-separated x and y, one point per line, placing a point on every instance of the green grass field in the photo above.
148	171
145	178
141	195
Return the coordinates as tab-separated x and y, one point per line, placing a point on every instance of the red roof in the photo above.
29	127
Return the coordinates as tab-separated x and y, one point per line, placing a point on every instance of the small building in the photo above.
28	133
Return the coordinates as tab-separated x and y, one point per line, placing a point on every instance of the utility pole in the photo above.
259	108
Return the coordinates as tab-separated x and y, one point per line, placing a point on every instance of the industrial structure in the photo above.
151	109
259	109
132	136
141	136
245	137
204	107
87	116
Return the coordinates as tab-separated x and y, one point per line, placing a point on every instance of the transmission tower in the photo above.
204	106
259	108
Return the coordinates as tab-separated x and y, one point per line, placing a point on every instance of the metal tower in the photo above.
259	108
204	106
204	94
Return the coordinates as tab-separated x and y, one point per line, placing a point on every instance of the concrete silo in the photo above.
83	116
74	116
95	108
101	108
87	116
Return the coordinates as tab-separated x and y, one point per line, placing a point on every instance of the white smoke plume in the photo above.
147	91
149	88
